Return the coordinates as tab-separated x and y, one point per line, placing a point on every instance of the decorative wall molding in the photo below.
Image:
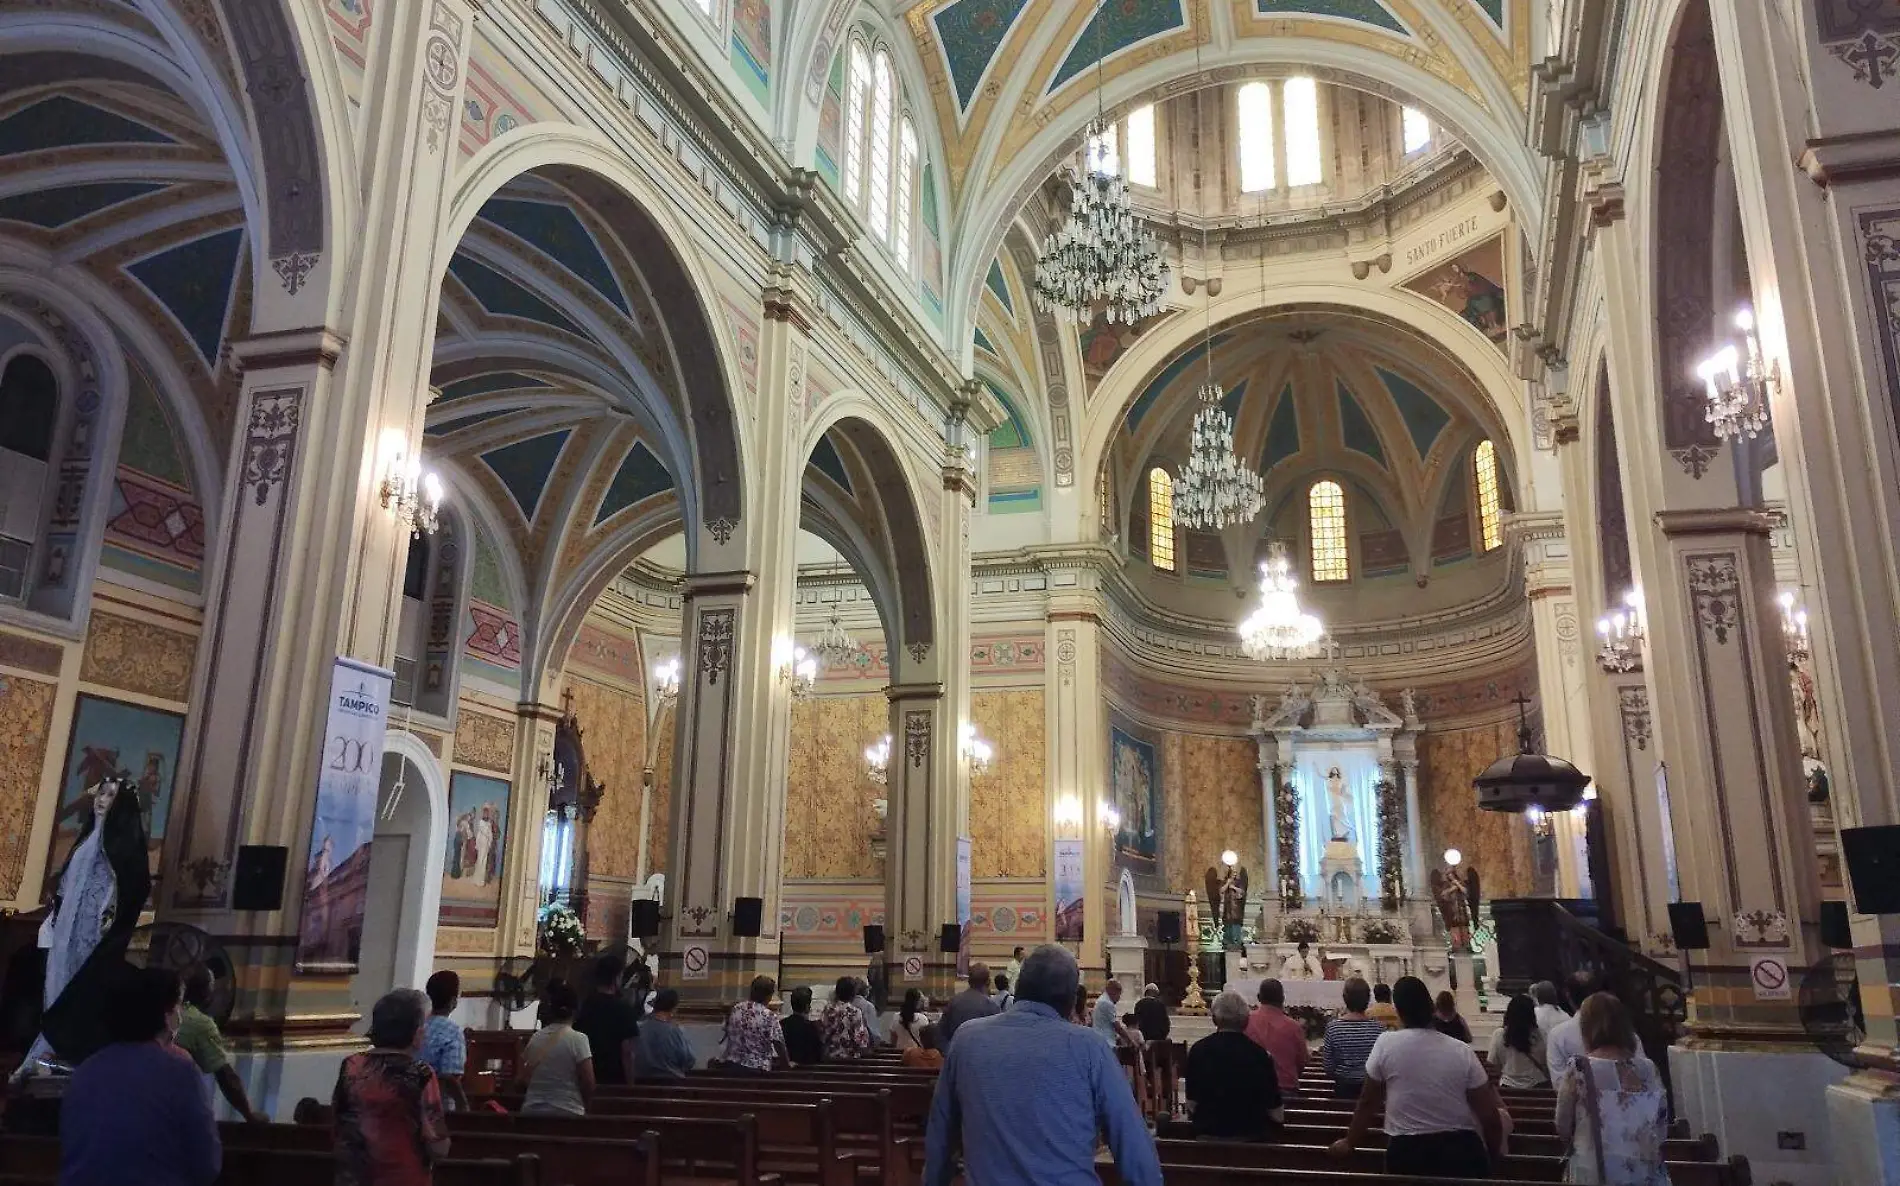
138	656
484	741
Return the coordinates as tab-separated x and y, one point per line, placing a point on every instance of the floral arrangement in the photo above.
1391	871
1383	930
1300	930
560	927
1287	818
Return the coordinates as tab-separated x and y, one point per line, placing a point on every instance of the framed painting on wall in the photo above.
111	738
474	847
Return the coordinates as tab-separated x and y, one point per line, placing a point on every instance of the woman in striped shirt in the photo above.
1349	1040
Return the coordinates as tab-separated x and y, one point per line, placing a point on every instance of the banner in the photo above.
963	904
1068	891
336	874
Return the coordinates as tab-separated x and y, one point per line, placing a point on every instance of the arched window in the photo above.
30	395
1161	519
1256	138
883	104
1484	467
1299	100
857	104
1326	509
1415	130
1141	145
906	191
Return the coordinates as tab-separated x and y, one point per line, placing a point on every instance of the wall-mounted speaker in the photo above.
1167	927
644	921
873	938
950	938
1872	857
1687	927
748	917
1835	931
257	880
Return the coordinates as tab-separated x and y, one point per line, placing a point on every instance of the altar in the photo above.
1312	994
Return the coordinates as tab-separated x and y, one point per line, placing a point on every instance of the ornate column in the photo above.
1825	271
308	565
1076	732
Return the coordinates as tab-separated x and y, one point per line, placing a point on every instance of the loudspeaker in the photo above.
1167	927
873	938
1834	929
950	939
748	917
644	921
257	882
1687	927
1872	856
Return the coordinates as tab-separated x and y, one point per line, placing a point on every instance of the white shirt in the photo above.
1564	1045
1105	1016
1426	1075
1549	1017
1294	969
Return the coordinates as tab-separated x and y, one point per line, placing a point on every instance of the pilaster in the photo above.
1076	726
1562	671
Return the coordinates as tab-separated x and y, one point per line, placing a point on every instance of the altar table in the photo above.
1317	994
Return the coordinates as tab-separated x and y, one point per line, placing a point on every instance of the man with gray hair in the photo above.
1023	1094
1233	1088
968	1005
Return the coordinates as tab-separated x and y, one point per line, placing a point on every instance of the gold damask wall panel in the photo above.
829	817
1221	779
660	821
1009	810
613	738
138	657
26	723
484	741
1498	845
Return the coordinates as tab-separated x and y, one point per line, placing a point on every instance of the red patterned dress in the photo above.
388	1112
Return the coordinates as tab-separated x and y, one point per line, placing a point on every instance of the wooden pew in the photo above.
34	1161
1514	1166
688	1147
861	1121
1704	1148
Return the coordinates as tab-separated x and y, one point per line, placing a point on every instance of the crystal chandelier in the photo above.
1103	258
877	760
1794	629
1215	489
974	749
836	650
1622	633
1738	387
1279	628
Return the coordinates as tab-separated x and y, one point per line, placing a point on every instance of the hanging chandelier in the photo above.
1623	634
1215	489
877	760
1739	383
836	650
1279	628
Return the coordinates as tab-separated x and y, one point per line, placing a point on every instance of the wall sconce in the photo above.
1068	811
414	496
666	681
1739	384
1623	635
1794	629
1108	817
795	666
877	760
976	751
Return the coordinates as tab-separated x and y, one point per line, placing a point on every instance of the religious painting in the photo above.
1472	286
1137	798
1103	343
112	739
477	840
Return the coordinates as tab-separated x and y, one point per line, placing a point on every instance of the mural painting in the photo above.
1472	286
1136	788
475	844
114	739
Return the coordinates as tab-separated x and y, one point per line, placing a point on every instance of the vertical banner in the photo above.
1068	891
963	904
336	874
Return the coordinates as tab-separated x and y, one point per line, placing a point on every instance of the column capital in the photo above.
734	582
1716	521
897	692
291	349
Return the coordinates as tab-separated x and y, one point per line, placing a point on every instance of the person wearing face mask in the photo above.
135	1105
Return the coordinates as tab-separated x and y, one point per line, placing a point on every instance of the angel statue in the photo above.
1456	892
1227	895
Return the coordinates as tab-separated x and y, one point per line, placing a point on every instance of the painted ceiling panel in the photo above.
1424	418
1355	427
1117	26
524	466
556	230
983	342
67	204
444	428
1366	12
640	476
824	456
1231	401
488	384
971	31
1168	375
500	295
999	286
1013	432
1283	432
61	122
1493	9
193	281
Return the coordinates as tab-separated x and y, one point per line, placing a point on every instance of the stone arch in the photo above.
564	607
911	625
421	817
1496	143
713	496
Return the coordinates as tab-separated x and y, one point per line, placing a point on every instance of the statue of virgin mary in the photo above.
102	888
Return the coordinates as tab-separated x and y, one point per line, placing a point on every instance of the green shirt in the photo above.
198	1036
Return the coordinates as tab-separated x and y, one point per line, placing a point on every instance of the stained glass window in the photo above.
883	106
1326	506
906	182
857	107
1484	464
1161	519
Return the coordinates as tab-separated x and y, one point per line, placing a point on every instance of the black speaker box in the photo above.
1872	856
1687	927
1167	927
950	939
257	882
1835	931
644	921
748	917
873	938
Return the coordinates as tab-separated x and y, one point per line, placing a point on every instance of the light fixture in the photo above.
1279	628
1794	629
1109	818
1739	384
666	681
795	666
976	751
1623	635
1582	809
1538	819
414	496
1527	780
1453	857
1068	811
1215	489
877	760
836	650
1229	858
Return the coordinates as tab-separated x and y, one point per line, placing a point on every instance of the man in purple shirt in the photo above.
137	1105
1023	1094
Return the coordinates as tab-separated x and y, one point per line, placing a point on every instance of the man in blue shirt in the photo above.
1023	1094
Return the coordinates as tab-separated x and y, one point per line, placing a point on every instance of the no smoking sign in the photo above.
694	961
1769	976
913	967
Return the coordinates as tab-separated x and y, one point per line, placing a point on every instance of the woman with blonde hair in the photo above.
1611	1107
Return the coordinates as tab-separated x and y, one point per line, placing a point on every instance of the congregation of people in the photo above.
1034	1077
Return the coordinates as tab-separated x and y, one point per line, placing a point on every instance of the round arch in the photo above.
714	500
422	815
1496	142
563	608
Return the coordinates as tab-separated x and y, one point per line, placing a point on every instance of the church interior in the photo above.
735	473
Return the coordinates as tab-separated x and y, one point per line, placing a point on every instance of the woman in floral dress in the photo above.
1611	1107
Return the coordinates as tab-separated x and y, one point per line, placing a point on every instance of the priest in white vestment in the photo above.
1302	965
